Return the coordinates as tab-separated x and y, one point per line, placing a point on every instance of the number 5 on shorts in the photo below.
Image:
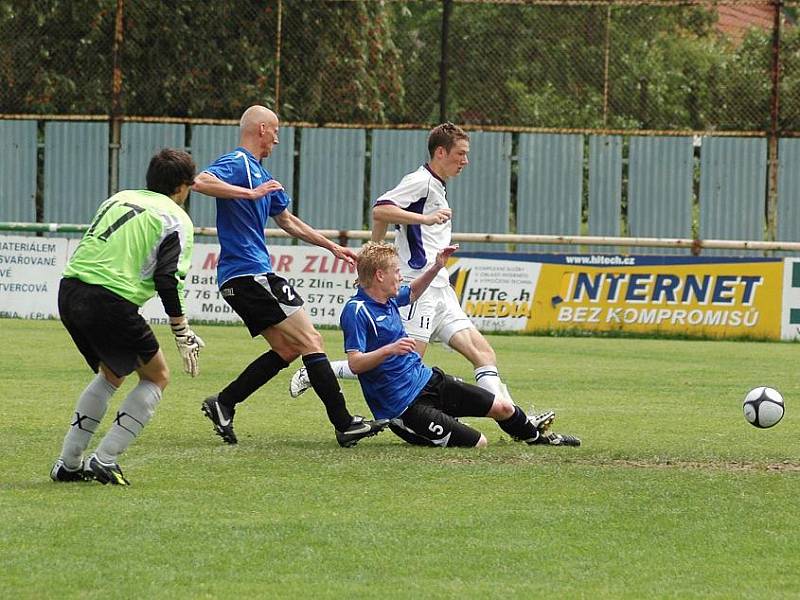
436	429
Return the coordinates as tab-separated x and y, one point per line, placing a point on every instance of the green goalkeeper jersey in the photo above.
139	242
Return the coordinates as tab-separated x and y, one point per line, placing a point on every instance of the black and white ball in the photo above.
763	407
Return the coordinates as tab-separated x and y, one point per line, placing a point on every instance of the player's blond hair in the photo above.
371	257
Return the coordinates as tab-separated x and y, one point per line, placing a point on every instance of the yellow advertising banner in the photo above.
703	296
711	296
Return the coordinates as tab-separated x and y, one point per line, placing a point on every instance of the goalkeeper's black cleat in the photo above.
359	428
551	438
105	474
221	417
61	474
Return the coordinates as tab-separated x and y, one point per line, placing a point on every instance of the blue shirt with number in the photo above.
394	384
241	222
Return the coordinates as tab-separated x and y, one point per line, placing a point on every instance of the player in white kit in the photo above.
418	207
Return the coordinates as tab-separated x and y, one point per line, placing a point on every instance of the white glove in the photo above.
189	345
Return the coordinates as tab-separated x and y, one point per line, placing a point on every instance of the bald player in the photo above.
246	195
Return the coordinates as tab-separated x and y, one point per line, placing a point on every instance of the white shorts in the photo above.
435	317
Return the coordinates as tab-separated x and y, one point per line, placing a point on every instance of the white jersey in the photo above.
421	192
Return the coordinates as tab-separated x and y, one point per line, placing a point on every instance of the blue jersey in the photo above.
368	325
240	222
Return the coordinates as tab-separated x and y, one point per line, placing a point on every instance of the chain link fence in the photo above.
728	66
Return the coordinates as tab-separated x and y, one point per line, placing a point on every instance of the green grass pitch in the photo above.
672	495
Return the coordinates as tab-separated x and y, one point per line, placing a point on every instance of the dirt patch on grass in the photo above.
784	466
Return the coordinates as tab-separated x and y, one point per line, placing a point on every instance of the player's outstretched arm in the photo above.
210	185
421	283
297	228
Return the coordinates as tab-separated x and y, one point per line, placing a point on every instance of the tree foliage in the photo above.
339	62
55	57
374	61
197	59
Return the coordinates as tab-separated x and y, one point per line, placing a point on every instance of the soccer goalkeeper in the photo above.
139	244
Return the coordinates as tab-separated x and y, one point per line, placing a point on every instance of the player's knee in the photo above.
310	341
284	346
163	380
160	377
482	442
109	376
113	380
502	408
286	353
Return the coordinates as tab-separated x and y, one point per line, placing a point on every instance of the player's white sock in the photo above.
488	378
133	415
89	411
341	368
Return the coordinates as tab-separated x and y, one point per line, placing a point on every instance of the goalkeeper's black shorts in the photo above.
105	327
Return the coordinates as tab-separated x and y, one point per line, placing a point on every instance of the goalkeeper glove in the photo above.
189	345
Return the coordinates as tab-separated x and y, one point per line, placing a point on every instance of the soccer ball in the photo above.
763	407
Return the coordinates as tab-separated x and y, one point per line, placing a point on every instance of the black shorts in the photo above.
261	300
105	327
432	420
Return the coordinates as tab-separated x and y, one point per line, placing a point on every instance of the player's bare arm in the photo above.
208	184
361	362
389	213
297	228
421	283
379	229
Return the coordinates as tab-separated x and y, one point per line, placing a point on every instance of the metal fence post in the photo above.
278	45
606	52
447	11
774	124
116	99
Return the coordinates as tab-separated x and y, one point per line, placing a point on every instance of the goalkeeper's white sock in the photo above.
341	368
133	415
89	411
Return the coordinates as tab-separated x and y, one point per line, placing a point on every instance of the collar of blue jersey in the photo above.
362	295
247	152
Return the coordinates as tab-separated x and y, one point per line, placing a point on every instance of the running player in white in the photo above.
419	209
